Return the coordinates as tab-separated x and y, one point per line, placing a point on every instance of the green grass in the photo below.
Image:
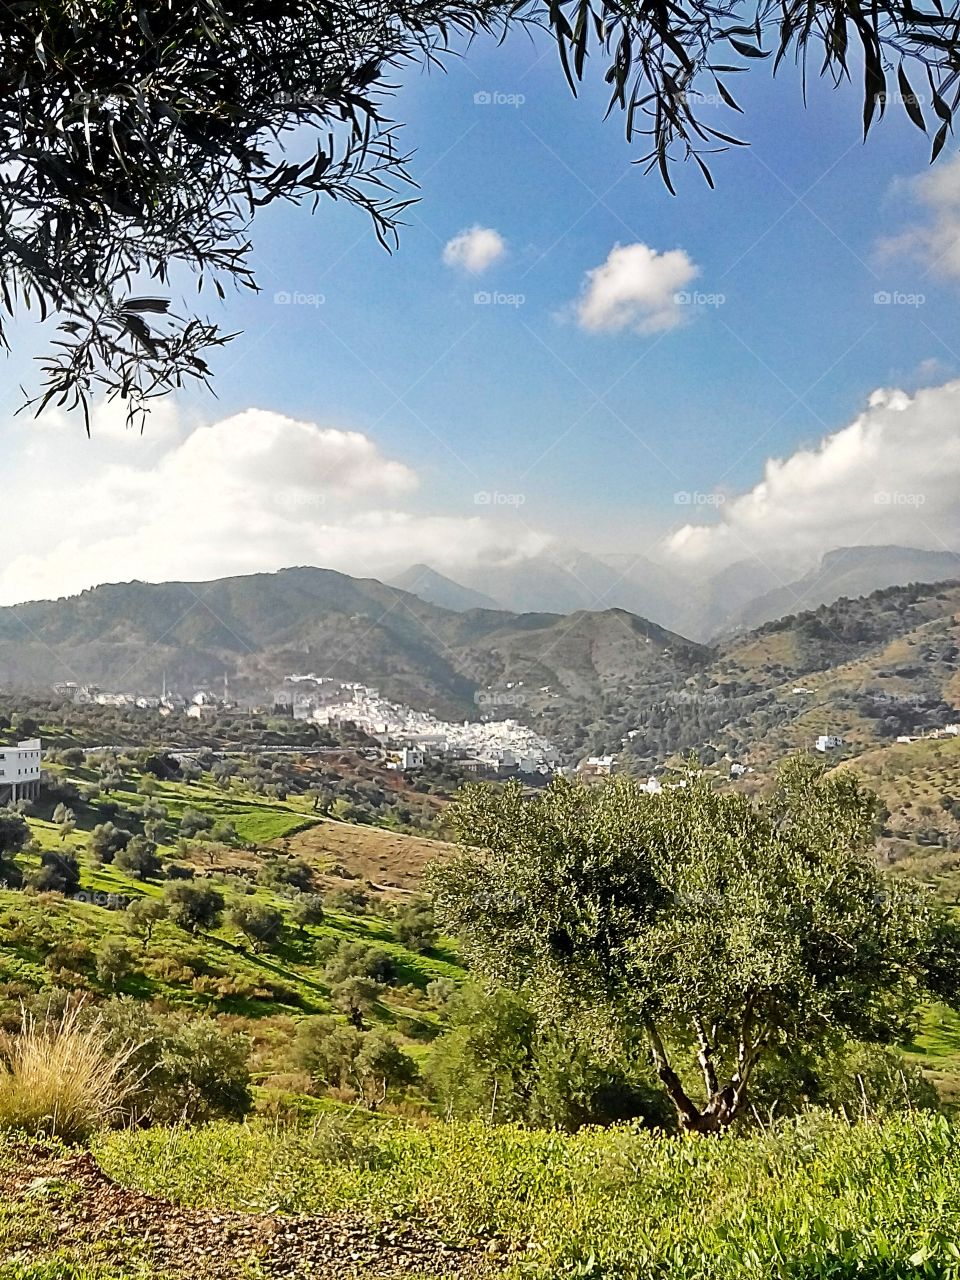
814	1199
936	1049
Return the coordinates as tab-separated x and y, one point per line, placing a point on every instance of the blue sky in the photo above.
596	431
788	237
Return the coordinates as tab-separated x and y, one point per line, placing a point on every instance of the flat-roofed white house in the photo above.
20	771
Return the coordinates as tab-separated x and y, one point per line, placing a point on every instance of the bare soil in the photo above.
68	1203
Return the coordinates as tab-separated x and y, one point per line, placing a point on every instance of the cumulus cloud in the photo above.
475	249
935	240
253	492
891	476
635	288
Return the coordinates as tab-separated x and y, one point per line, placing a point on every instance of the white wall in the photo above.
22	762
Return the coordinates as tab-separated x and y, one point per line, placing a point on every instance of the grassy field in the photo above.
816	1198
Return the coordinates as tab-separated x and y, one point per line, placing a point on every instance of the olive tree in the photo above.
138	143
724	933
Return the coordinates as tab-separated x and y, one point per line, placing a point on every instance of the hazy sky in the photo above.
560	349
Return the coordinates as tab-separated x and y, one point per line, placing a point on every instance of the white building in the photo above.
202	711
599	766
828	742
20	771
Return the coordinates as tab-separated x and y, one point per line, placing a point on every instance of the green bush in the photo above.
182	1067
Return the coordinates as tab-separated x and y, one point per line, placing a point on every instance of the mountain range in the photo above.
258	628
880	665
743	595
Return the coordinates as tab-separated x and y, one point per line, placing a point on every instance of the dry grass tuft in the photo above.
58	1079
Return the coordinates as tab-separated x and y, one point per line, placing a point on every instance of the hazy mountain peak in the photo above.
436	588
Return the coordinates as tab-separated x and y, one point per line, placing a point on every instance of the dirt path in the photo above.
70	1204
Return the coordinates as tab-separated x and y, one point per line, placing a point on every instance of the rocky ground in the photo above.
54	1206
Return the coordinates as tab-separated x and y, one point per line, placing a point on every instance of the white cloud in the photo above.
253	492
935	241
635	288
891	476
475	249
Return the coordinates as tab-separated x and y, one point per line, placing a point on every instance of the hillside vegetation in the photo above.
607	681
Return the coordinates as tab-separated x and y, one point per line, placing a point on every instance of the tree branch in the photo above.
687	1111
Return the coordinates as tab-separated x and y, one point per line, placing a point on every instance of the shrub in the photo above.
57	873
14	832
138	859
283	873
178	871
351	900
106	841
60	1078
181	1068
193	907
259	923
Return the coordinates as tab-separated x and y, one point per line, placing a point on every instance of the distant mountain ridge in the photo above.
435	588
258	628
681	598
591	681
851	572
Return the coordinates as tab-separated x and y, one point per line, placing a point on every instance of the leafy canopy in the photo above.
724	932
138	143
